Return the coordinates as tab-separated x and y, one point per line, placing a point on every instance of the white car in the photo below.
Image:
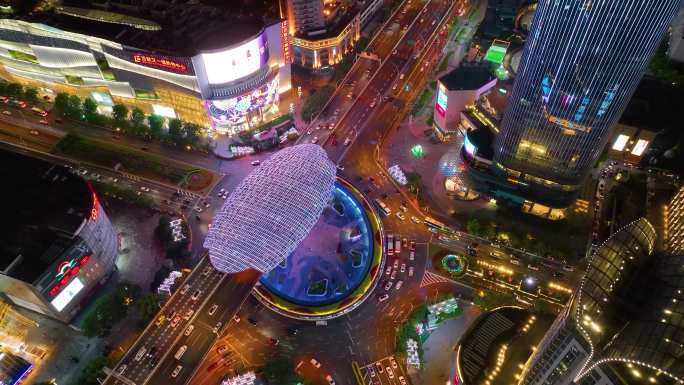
402	380
212	309
403	267
330	379
198	209
400	215
347	141
383	297
315	363
515	261
388	271
568	268
398	285
189	330
533	267
143	188
176	371
388	285
256	163
416	220
393	362
185	289
217	327
412	255
410	273
372	104
314	140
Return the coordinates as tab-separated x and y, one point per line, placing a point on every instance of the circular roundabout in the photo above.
454	264
334	269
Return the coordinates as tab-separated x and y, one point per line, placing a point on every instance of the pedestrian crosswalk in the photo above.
430	278
188	194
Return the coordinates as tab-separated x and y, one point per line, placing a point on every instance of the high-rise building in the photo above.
305	15
580	66
57	244
626	321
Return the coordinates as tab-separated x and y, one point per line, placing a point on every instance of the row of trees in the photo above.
315	102
110	309
133	122
16	90
494	232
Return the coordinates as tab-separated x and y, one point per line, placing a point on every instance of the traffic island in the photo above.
335	268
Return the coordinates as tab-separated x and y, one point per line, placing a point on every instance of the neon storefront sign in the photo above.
159	62
94	211
66	271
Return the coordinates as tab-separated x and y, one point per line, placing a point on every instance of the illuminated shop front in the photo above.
228	80
240	112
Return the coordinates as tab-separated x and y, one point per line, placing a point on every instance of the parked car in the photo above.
315	363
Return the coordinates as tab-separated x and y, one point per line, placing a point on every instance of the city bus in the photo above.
383	207
435	224
390	245
38	111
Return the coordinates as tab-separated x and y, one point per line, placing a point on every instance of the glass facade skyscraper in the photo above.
581	64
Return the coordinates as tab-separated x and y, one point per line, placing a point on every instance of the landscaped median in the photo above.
417	328
130	160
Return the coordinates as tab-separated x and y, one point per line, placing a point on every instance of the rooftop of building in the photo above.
335	25
467	78
43	209
172	28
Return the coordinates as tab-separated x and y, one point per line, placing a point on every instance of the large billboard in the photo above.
229	112
441	104
166	63
236	62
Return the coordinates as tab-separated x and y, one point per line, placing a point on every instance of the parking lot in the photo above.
385	371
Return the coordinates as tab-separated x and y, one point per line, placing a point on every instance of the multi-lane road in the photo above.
196	313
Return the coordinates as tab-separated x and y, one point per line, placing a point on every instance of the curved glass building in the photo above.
626	321
581	64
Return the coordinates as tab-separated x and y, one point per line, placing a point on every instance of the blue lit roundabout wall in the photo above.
334	268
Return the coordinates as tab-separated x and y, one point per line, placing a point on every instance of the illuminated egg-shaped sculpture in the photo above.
449	162
271	210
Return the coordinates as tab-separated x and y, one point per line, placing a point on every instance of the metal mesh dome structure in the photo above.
271	210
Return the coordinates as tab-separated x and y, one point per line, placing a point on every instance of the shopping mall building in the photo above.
56	242
197	63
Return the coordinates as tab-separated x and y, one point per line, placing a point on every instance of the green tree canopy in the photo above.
31	94
75	108
155	122
280	370
138	122
90	110
92	371
315	102
62	103
14	90
120	113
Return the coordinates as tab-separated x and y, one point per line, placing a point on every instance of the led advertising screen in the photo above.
227	112
620	142
639	147
166	63
167	112
441	104
66	295
236	62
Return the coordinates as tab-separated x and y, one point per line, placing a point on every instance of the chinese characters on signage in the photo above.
285	40
68	270
159	62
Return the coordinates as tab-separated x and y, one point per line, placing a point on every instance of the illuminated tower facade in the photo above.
581	64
